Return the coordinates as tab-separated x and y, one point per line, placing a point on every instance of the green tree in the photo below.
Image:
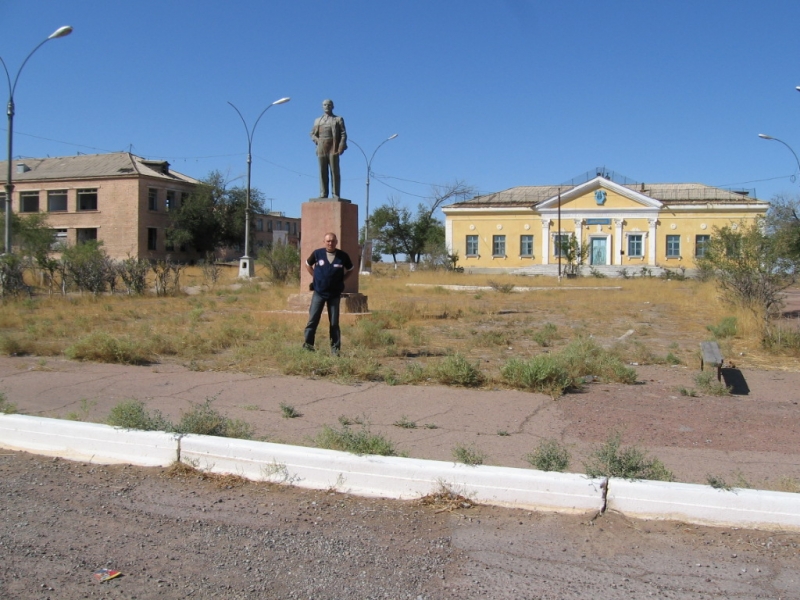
751	267
283	261
213	215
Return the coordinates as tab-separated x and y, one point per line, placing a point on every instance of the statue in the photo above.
330	137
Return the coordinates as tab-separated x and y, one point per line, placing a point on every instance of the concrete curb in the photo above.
87	442
393	477
403	478
704	505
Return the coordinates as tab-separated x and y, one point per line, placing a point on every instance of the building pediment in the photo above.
599	193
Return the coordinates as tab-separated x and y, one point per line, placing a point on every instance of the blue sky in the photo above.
493	93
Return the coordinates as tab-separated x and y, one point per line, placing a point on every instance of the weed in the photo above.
203	419
469	455
289	412
708	384
726	328
83	412
358	442
688	392
457	370
446	498
132	414
502	288
542	373
789	484
503	433
609	460
545	335
6	407
718	483
405	423
369	333
782	337
345	420
671	359
550	455
431	426
102	347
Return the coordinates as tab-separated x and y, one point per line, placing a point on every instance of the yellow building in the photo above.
617	224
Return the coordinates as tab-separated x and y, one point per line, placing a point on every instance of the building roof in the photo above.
90	166
671	194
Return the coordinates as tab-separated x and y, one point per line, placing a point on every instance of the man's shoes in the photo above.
309	347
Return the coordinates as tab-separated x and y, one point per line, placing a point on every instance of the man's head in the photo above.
330	242
327	106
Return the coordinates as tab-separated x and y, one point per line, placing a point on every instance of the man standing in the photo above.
330	137
329	267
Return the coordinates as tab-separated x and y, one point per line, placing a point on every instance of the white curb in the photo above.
705	505
89	442
392	477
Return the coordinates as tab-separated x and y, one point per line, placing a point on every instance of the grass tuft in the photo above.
361	441
469	455
550	455
132	414
610	460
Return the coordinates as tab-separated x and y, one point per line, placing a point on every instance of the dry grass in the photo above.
407	337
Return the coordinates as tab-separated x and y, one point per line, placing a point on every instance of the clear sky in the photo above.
496	93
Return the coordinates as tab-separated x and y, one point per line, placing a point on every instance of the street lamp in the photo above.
246	269
764	136
60	32
367	247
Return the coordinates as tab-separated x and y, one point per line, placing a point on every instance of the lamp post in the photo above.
764	136
367	248
58	33
246	269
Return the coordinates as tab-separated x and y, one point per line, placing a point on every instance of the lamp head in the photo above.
764	136
281	101
60	32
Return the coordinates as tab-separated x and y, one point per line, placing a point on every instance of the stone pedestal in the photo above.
323	215
247	268
351	303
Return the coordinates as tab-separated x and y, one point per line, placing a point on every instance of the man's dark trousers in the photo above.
314	316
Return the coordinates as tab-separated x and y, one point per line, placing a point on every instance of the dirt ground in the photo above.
188	537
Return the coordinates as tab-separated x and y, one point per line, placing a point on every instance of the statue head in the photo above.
327	106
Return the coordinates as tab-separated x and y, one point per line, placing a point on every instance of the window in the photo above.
87	199
152	199
559	240
184	198
635	245
700	245
673	246
269	225
472	245
57	201
169	203
59	239
277	225
28	202
259	224
526	245
152	238
499	246
87	235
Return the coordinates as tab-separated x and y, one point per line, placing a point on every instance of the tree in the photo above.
750	267
213	215
783	221
283	261
396	232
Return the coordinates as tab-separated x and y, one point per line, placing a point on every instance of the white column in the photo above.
617	242
546	241
448	234
579	233
651	242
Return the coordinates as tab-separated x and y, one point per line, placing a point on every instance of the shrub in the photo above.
133	272
283	262
543	373
708	383
289	412
503	288
405	423
88	267
609	460
132	414
469	455
203	419
545	335
457	370
550	455
6	407
360	441
726	328
11	275
167	276
369	333
102	347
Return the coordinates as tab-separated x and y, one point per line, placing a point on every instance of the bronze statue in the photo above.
330	137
